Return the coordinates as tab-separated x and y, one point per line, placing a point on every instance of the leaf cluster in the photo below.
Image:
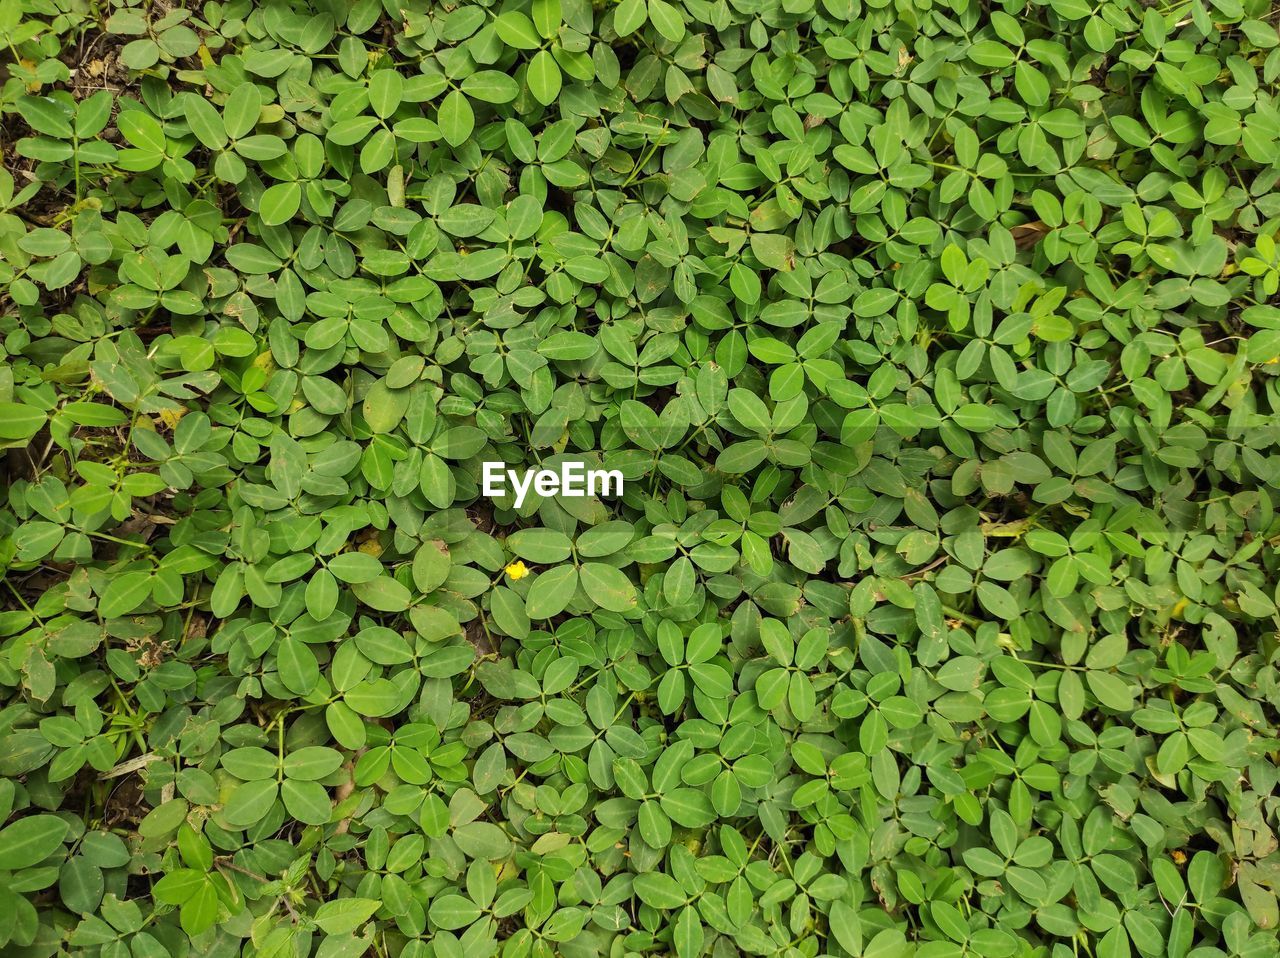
937	342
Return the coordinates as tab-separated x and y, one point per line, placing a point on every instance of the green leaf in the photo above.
551	592
491	86
30	840
546	17
386	88
280	203
308	802
124	593
456	118
45	115
509	613
667	19
344	915
141	130
659	890
205	121
298	668
199	913
250	802
356	567
688	935
18	421
452	912
544	77
772	249
629	16
608	587
1112	691
544	546
384	594
517	30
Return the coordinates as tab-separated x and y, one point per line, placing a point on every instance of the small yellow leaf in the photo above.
170	417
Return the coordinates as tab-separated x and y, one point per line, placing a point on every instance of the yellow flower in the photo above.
517	570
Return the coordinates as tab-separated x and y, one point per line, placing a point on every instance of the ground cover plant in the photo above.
937	342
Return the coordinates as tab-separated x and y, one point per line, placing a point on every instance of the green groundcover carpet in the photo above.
922	356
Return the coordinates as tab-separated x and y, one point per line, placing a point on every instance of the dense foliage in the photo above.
936	343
